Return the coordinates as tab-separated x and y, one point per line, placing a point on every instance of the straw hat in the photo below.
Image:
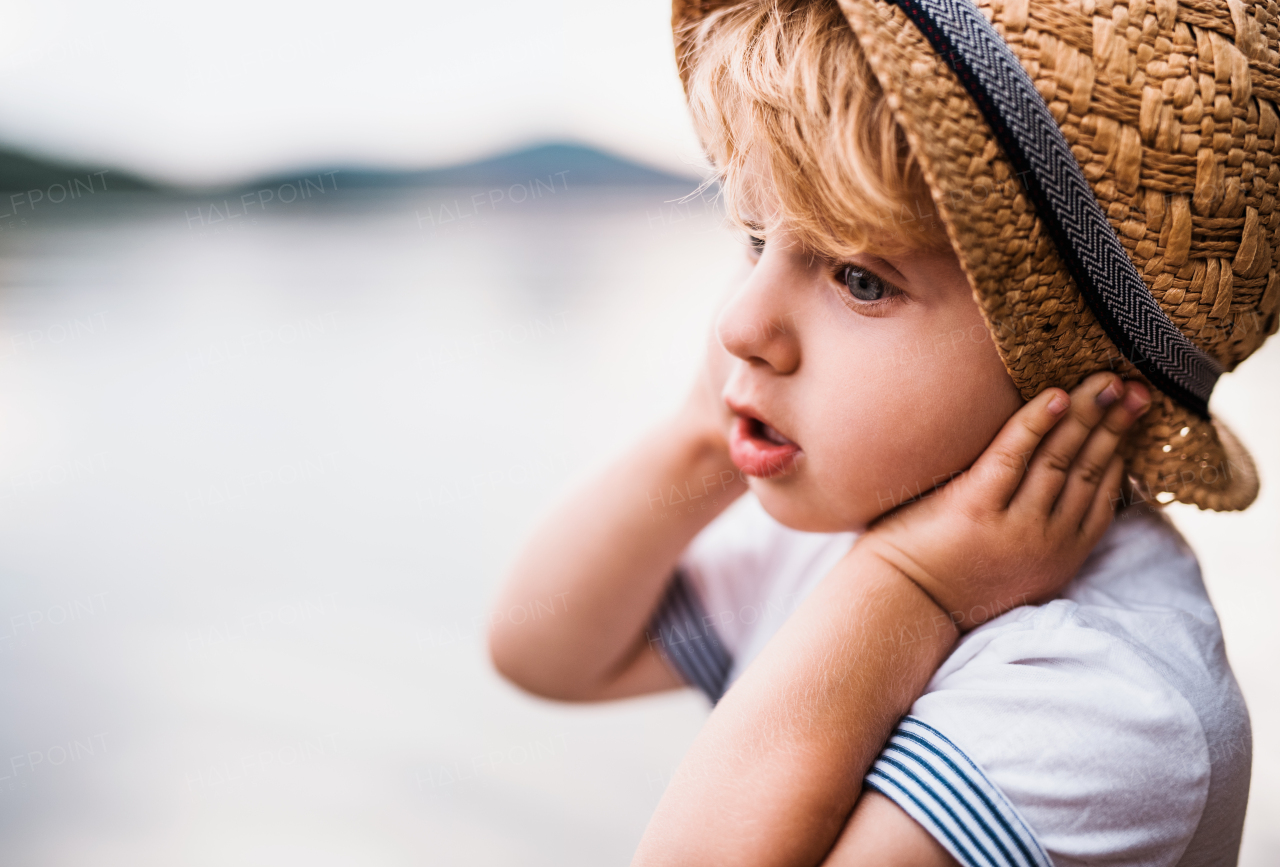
1149	247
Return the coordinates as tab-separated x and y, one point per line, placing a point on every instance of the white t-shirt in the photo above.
1104	727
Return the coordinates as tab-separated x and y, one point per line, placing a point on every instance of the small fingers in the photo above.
1105	499
998	471
1094	459
1054	459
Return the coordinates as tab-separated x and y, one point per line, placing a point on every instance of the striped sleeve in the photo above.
682	635
936	784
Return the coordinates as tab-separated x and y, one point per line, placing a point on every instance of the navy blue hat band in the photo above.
1064	201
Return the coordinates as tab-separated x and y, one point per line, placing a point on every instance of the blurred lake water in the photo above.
260	475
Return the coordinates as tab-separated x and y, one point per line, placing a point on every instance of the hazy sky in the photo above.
194	92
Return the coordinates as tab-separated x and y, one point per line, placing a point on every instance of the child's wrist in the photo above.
931	617
700	440
704	417
710	468
690	477
964	598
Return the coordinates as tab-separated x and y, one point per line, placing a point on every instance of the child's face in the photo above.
879	371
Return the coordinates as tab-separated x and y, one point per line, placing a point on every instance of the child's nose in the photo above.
757	324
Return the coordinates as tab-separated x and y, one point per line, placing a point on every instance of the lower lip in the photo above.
758	457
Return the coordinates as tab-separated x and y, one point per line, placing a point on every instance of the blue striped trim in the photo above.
991	808
680	633
936	784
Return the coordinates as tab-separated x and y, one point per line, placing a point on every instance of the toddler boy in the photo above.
955	212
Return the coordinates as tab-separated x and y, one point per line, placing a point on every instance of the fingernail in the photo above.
1059	403
1111	393
1137	401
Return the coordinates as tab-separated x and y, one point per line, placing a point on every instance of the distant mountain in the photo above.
575	165
19	171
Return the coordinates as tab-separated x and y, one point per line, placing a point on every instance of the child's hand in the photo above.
704	410
1016	526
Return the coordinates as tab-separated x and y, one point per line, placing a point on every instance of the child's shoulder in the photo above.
1114	701
1136	620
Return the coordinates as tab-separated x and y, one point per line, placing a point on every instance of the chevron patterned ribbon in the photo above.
1088	246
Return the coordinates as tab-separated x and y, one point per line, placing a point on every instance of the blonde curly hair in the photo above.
788	111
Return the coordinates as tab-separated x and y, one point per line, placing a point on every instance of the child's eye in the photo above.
863	285
757	243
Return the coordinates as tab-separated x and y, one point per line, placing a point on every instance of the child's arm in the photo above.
599	563
775	773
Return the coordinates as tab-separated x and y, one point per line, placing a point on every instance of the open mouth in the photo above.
759	449
760	430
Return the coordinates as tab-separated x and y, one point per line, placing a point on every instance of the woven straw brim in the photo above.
1204	247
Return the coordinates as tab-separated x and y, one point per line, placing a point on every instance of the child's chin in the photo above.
790	507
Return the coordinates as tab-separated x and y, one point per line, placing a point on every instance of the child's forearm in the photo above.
602	559
772	777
